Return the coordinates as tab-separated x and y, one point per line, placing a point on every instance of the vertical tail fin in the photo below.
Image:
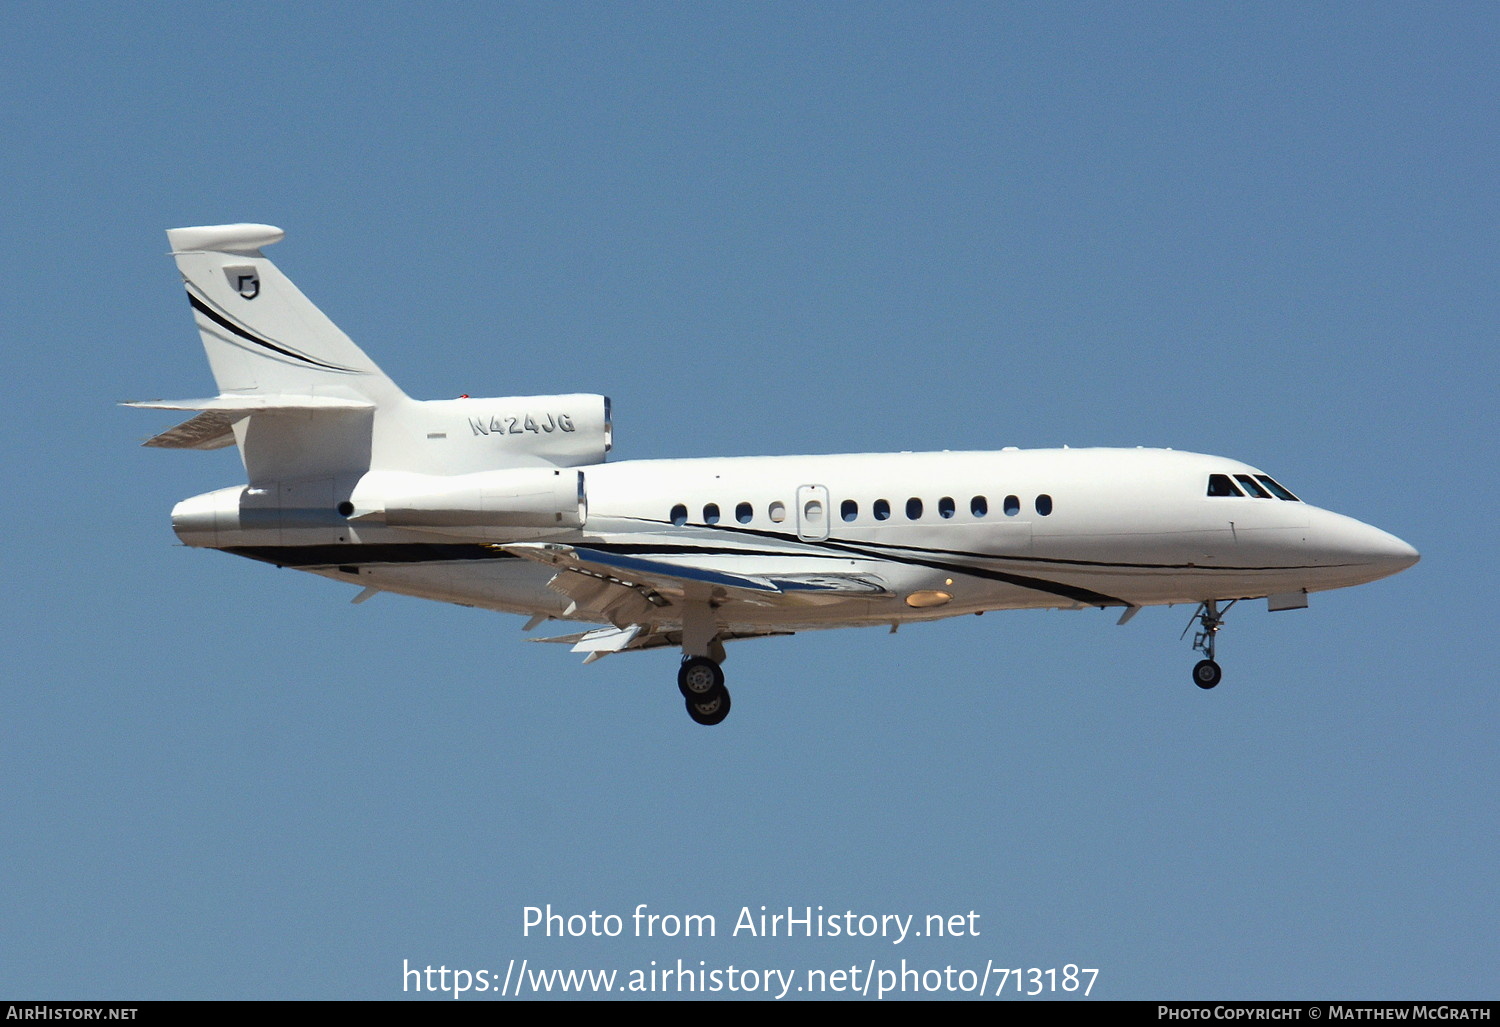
300	398
262	336
309	410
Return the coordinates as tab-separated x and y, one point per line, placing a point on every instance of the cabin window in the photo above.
1220	485
1044	504
882	510
946	507
849	510
1012	506
777	511
1252	487
679	515
1276	488
913	509
711	513
979	506
743	513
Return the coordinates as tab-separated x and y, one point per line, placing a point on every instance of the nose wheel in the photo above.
1207	672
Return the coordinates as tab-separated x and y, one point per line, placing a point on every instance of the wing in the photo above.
633	590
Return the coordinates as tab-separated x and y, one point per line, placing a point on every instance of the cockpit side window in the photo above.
1221	485
1277	489
1252	487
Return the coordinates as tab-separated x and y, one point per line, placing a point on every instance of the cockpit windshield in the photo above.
1276	488
1252	486
1257	486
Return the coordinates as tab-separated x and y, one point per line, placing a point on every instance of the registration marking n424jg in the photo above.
498	425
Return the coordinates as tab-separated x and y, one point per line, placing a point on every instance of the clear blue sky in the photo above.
1262	231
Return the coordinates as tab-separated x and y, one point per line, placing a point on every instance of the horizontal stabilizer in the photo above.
255	404
211	429
214	427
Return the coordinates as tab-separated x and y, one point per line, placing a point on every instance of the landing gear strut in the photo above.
701	682
1207	673
699	679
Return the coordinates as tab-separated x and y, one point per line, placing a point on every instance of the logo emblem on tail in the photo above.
245	280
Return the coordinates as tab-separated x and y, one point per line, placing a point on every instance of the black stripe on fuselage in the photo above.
1058	588
357	554
928	558
307	557
244	333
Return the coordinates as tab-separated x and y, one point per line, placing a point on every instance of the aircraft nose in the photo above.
1363	545
1402	554
1384	550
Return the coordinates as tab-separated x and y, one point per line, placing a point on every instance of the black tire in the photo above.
709	712
699	678
1206	674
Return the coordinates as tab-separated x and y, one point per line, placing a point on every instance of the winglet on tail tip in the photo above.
223	238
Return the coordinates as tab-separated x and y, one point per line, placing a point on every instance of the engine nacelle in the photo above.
466	436
483	505
472	504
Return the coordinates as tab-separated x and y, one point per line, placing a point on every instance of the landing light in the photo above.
928	597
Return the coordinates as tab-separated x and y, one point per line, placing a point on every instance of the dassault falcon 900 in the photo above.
508	504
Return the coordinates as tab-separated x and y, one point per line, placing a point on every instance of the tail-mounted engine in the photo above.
520	502
459	436
484	504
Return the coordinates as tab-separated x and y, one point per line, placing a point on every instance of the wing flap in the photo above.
602	641
618	602
607	640
867	585
632	570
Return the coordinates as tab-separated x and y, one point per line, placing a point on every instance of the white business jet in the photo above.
508	504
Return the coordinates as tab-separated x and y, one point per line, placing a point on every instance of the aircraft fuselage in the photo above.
963	532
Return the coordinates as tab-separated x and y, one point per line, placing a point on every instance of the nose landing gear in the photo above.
1207	673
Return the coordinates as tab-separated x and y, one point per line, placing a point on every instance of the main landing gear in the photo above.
699	679
1207	673
701	682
